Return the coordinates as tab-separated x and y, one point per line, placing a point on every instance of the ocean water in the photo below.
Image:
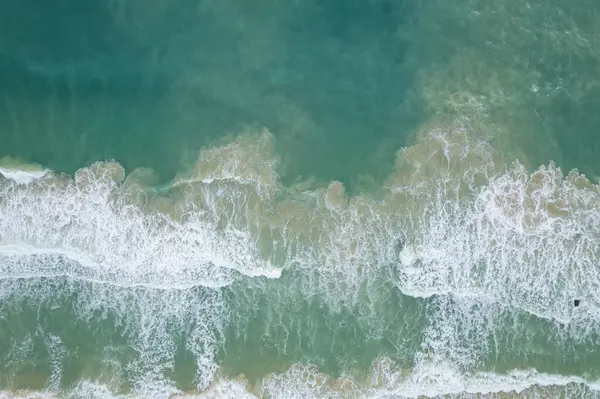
299	199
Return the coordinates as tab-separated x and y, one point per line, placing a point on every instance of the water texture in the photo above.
337	199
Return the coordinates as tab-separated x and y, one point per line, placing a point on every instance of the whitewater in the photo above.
341	199
476	244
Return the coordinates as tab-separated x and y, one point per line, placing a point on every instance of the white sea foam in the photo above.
454	222
151	322
114	250
526	240
22	176
426	380
438	379
88	221
385	381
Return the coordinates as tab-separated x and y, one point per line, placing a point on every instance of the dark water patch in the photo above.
60	30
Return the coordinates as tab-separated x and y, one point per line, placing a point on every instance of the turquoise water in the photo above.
299	199
115	78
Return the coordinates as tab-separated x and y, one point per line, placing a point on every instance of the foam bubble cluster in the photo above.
114	232
527	240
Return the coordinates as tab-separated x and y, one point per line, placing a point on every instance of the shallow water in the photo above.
296	199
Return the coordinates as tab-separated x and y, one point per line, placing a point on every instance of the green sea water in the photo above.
299	198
